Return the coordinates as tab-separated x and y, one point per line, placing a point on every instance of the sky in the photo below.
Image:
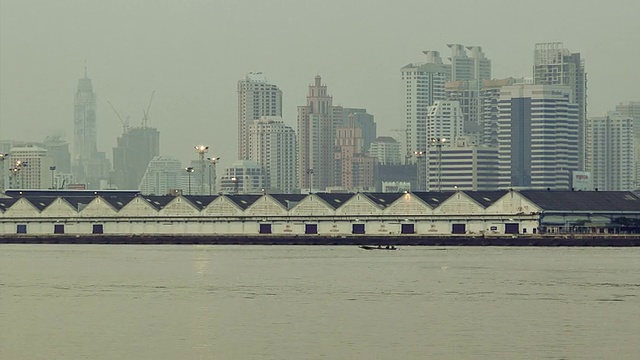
191	53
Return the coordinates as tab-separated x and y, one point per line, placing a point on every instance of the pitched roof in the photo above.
79	202
243	201
383	199
200	201
433	198
288	200
583	200
335	200
158	202
486	198
40	202
118	202
6	203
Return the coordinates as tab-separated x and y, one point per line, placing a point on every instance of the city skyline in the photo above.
181	52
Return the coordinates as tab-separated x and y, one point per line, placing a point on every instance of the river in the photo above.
318	302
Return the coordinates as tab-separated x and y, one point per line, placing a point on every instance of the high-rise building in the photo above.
243	177
632	109
610	152
467	68
422	85
89	166
58	151
273	146
30	168
386	150
537	137
162	176
256	98
361	119
316	139
556	65
489	109
354	168
135	149
463	166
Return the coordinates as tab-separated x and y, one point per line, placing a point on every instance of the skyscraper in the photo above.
537	136
256	98
162	175
556	65
29	168
422	85
316	139
131	157
466	68
610	152
272	145
85	144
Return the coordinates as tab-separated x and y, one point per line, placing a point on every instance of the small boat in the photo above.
379	247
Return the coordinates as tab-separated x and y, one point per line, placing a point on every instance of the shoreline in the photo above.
570	240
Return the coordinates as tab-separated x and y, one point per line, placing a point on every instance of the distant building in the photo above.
256	98
386	150
537	137
29	168
463	166
273	146
361	119
58	151
135	149
243	177
610	152
466	68
162	175
316	139
632	109
422	85
556	65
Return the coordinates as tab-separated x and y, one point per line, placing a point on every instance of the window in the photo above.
58	228
357	229
511	228
98	228
458	229
407	229
311	228
265	228
21	229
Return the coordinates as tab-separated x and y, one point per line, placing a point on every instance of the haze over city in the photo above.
192	53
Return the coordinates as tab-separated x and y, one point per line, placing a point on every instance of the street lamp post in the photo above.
189	171
201	149
2	158
15	171
420	154
53	170
212	164
438	143
310	180
235	184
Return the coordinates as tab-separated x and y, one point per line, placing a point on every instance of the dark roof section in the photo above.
243	201
288	200
42	193
486	198
434	198
158	202
40	202
79	202
335	200
6	203
583	200
383	199
118	202
200	201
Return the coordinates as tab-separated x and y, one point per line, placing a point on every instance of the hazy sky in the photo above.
193	52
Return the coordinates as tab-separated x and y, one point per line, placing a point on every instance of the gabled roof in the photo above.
118	202
433	198
158	202
243	201
383	199
200	201
288	200
583	200
486	198
335	200
40	202
6	203
79	202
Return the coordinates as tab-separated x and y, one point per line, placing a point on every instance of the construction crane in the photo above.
145	113
125	123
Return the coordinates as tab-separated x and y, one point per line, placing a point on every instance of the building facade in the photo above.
243	177
135	149
537	137
386	150
316	139
556	65
256	98
30	168
422	84
610	152
272	145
